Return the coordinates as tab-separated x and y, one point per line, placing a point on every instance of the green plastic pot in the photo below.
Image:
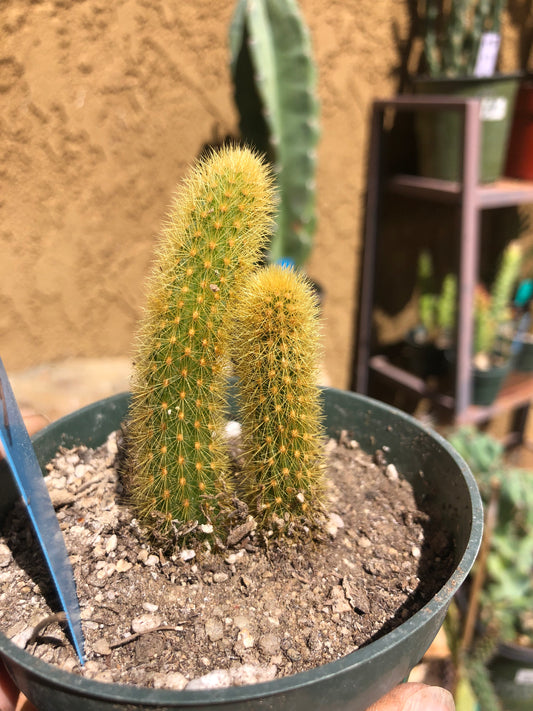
425	359
441	479
440	134
486	384
524	357
511	672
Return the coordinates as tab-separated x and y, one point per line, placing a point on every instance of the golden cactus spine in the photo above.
211	244
276	355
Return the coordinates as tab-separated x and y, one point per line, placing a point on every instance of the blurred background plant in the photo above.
493	316
275	87
500	604
452	33
436	309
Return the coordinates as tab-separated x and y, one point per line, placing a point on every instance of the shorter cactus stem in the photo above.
276	357
447	304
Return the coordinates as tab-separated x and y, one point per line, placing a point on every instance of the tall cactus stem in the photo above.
178	468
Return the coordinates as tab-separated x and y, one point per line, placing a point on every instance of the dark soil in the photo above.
201	618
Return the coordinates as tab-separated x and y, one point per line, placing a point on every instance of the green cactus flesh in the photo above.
426	310
275	91
484	325
276	362
453	33
505	281
446	305
216	230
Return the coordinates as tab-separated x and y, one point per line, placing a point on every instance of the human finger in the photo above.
415	697
24	705
34	421
10	697
8	691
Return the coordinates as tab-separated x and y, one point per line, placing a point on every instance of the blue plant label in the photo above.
26	472
487	55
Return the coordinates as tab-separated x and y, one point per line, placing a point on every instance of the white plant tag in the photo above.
493	108
524	676
487	54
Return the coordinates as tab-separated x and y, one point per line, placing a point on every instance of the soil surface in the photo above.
200	619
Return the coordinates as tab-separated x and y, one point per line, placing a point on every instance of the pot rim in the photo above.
73	683
515	652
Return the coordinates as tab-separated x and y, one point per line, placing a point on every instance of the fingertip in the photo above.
415	696
430	698
8	691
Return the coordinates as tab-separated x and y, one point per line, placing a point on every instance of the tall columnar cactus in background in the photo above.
275	91
276	355
505	281
212	242
453	34
484	327
492	309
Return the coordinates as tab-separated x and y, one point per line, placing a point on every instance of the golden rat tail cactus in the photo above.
276	357
217	228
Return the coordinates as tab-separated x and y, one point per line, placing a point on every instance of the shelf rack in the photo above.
470	198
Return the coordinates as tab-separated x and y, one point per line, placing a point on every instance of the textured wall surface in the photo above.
103	106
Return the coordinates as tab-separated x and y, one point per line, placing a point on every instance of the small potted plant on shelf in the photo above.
524	343
493	329
461	41
496	657
240	534
429	342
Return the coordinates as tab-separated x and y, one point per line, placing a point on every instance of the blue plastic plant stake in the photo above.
28	477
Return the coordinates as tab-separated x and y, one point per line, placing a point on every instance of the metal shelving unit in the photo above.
470	198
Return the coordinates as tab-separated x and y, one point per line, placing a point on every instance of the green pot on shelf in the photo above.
486	384
511	672
425	359
524	358
440	133
349	684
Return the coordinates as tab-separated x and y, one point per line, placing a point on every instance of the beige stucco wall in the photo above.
103	105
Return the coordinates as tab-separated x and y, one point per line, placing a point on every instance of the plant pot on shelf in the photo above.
424	358
440	134
524	356
511	672
486	384
351	683
520	151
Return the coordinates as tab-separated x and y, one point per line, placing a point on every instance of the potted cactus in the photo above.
493	328
429	342
210	306
461	41
275	86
